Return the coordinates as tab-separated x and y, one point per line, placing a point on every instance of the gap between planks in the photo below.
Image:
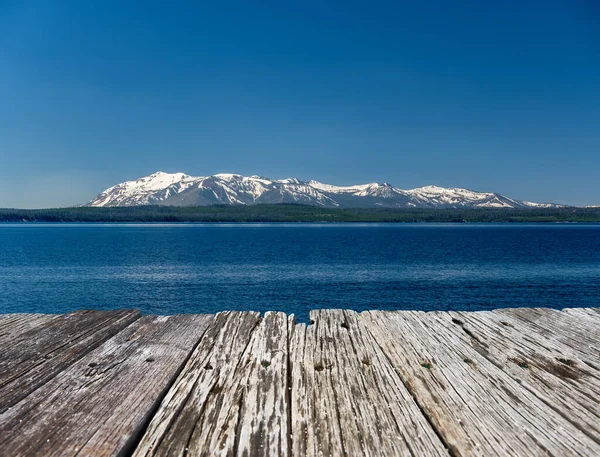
378	383
98	406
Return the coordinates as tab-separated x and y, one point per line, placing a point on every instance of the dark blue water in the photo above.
169	269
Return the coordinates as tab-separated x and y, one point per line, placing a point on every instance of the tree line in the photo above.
296	213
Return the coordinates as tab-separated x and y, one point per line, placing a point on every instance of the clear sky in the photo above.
490	95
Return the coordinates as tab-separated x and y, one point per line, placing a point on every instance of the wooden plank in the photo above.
476	407
589	316
526	336
594	312
346	396
262	427
37	355
13	325
314	421
197	413
516	382
100	404
552	372
579	335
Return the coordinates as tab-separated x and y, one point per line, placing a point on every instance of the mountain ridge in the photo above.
180	189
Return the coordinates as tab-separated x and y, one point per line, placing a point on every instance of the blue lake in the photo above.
194	268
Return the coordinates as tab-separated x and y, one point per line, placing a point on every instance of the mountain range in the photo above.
180	189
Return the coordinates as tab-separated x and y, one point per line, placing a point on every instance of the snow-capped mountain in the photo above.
179	189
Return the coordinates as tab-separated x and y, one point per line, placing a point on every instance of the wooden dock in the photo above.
518	382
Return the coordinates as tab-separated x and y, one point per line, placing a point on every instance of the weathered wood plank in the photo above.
589	316
263	427
39	354
100	404
13	325
196	414
314	418
581	362
347	397
594	312
549	370
580	335
509	382
476	407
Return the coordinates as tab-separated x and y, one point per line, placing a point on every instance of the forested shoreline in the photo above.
295	213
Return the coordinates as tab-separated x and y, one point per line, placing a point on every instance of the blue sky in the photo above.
490	95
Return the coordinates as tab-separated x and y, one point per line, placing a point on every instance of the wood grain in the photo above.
196	416
522	382
100	404
13	325
37	355
554	373
581	335
262	428
347	397
476	407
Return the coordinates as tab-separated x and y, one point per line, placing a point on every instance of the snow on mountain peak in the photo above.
160	180
228	176
289	181
341	189
180	189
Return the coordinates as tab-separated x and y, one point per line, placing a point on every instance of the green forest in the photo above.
295	213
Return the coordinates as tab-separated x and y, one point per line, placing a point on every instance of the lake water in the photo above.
192	268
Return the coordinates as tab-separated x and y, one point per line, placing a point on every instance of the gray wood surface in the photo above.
476	407
589	314
554	373
588	321
519	382
37	355
100	404
582	335
13	325
347	397
262	427
199	414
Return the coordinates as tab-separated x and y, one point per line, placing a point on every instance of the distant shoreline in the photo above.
288	213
